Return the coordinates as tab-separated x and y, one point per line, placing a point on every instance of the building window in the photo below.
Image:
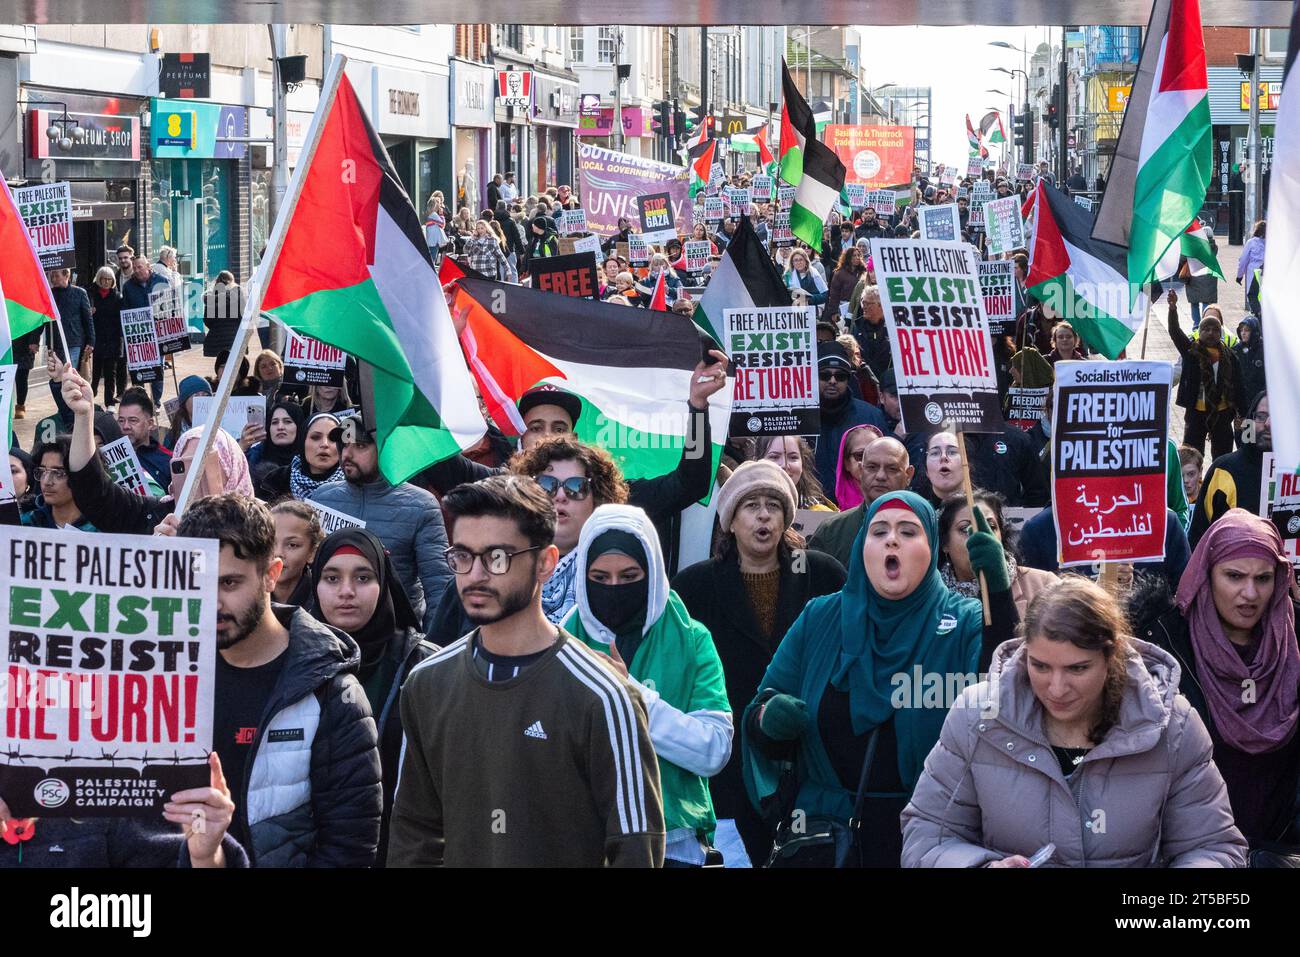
1275	42
607	45
577	38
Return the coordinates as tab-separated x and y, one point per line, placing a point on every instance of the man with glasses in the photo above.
406	518
840	411
135	417
562	772
55	505
1233	481
885	468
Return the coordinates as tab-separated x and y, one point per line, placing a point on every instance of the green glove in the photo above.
986	555
784	717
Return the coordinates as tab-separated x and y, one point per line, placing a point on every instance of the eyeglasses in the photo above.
1261	417
859	455
575	488
54	475
833	376
948	452
495	560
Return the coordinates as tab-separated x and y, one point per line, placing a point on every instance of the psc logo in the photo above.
1000	447
933	413
52	793
754	423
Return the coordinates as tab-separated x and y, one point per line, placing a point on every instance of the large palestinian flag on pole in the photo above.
746	277
631	368
1083	279
701	157
1164	159
28	301
807	164
351	268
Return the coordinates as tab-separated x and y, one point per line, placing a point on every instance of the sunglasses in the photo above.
575	489
833	376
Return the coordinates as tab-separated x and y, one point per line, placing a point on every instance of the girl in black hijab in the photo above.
357	591
286	429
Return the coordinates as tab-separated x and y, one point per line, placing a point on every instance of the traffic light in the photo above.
679	121
1053	116
1023	126
662	123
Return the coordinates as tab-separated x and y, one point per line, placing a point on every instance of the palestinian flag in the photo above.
701	162
745	277
29	304
796	122
353	271
1083	279
818	172
1195	245
632	369
753	141
1165	156
973	138
659	298
702	132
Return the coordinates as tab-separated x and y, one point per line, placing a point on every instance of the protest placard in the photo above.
781	233
774	351
940	222
332	520
1084	201
697	252
717	176
1005	228
47	213
1279	502
737	201
975	217
311	362
981	191
124	466
656	212
110	661
574	275
587	244
573	221
807	521
140	335
882	201
1025	406
785	196
939	335
1110	424
638	250
241	410
713	211
857	194
169	319
1024	172
998	284
9	513
761	188
948	177
974	167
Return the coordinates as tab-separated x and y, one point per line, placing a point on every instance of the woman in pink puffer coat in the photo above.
1079	739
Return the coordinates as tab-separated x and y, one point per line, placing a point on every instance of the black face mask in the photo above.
617	607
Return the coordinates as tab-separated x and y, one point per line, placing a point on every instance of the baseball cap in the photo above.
546	394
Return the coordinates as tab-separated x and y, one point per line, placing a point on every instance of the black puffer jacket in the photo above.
314	796
408	649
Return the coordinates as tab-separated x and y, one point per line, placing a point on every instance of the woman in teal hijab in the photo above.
884	658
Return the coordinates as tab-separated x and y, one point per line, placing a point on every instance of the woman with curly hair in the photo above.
795	457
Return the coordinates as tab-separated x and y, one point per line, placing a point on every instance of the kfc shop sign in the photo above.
515	88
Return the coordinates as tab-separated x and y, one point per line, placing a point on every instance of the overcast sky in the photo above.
955	62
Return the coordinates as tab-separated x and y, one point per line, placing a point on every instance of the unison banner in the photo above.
1110	426
109	667
610	183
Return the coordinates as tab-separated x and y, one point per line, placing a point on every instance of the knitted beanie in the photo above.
759	475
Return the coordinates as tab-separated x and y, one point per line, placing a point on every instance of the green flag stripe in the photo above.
1101	331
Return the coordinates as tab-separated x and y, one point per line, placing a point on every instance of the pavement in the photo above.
1152	343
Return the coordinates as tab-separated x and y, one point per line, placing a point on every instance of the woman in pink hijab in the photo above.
848	465
1232	630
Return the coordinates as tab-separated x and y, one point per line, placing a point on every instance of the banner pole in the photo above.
253	305
970	502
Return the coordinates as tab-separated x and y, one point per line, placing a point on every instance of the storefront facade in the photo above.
472	121
555	123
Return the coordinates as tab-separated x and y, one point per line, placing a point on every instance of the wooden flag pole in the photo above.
970	502
253	304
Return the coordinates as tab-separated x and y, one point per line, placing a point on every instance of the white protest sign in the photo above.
998	285
143	354
697	253
1085	202
882	201
761	186
1005	228
587	244
775	353
713	211
857	194
1025	172
785	196
241	410
573	221
940	222
308	361
331	520
111	644
123	465
1279	502
47	213
638	250
938	335
974	167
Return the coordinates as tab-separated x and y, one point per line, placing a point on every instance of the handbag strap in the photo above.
867	761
